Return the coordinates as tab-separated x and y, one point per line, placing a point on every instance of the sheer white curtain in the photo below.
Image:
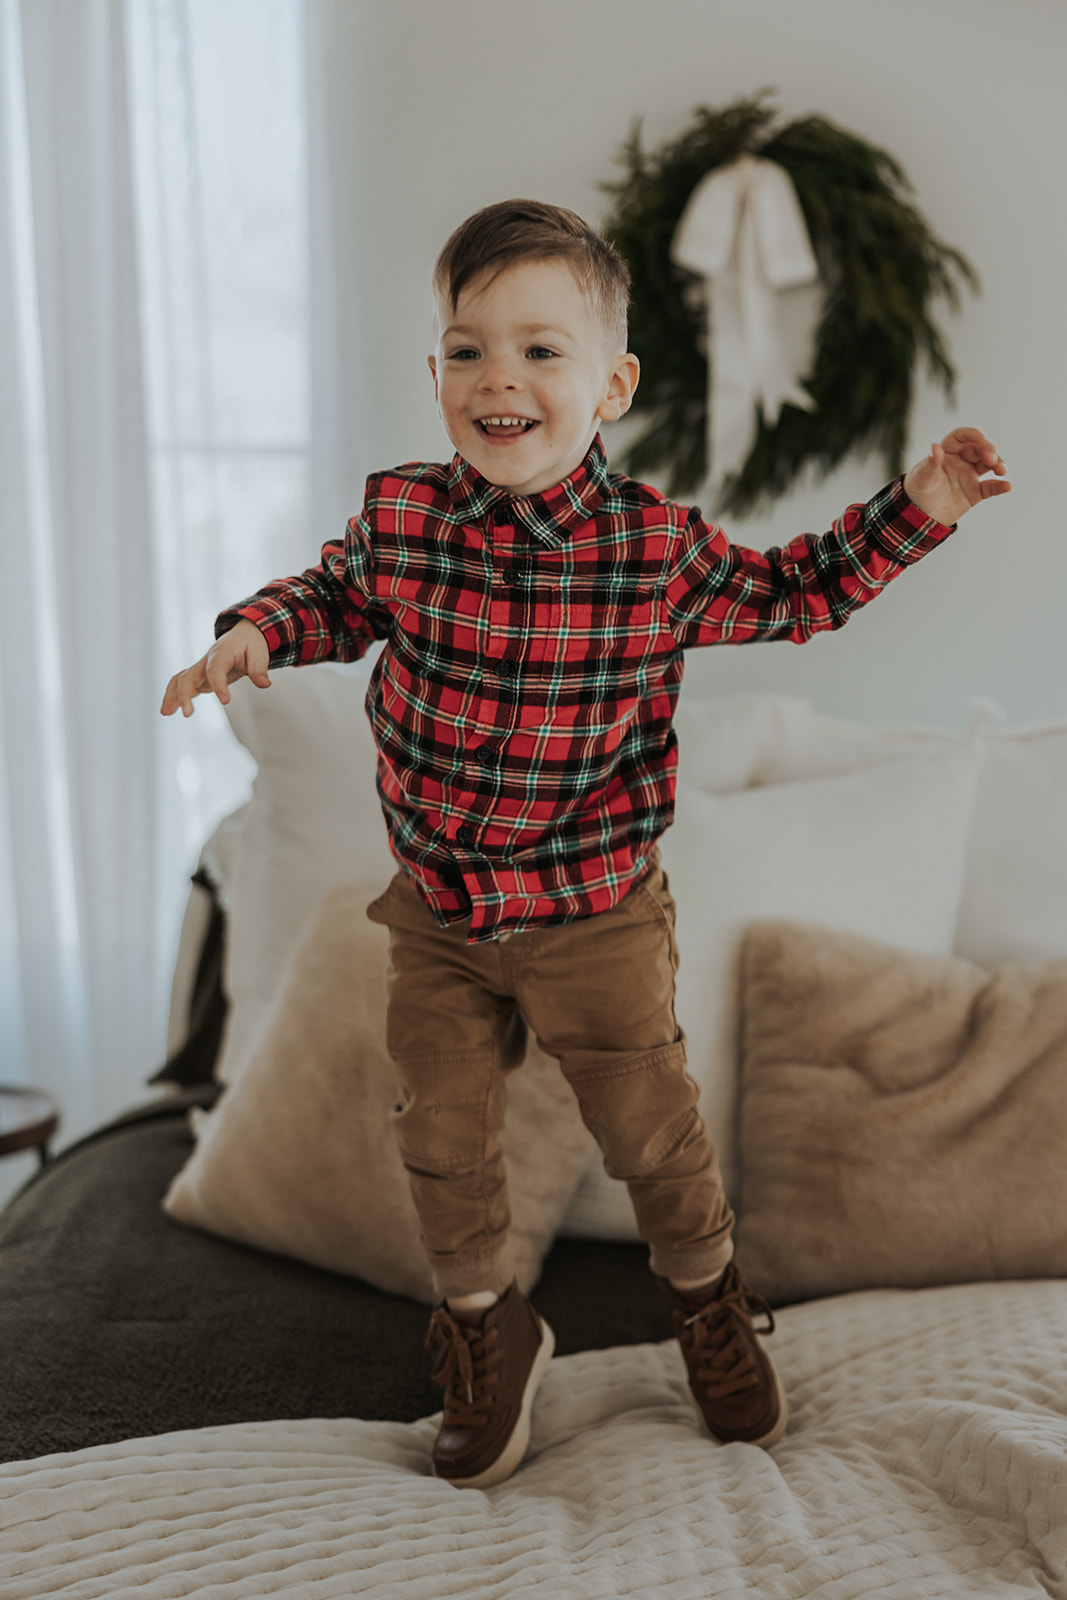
81	847
154	465
339	313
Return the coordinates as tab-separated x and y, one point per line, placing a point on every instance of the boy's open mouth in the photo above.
505	427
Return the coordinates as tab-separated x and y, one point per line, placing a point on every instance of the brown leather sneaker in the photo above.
490	1370
736	1388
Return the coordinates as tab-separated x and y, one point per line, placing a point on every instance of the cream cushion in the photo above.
903	1116
299	1156
314	821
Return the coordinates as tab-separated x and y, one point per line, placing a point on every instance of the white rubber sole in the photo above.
517	1446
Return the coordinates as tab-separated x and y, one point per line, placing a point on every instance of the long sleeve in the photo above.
325	613
723	593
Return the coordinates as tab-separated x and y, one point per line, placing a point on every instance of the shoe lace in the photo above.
720	1334
467	1368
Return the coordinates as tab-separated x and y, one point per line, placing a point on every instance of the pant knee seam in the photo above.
440	1166
665	1055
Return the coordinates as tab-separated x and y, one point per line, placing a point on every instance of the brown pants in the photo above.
599	996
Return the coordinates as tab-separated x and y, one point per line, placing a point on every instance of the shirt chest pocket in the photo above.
604	627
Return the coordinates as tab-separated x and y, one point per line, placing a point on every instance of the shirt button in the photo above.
486	754
465	833
501	516
512	576
505	669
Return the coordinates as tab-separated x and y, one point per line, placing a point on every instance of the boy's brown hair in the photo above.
499	236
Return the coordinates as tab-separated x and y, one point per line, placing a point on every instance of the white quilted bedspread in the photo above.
926	1458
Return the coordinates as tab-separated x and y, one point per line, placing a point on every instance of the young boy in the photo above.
536	609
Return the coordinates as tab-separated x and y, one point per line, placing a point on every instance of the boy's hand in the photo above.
949	481
241	653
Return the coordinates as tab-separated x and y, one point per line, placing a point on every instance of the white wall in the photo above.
457	103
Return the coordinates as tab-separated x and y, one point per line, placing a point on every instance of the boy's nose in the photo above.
498	375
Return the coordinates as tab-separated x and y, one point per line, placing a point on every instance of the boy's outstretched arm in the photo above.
241	653
723	593
949	481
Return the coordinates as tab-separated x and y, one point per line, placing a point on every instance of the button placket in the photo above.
510	570
502	544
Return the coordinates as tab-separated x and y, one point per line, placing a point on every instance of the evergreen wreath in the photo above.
879	264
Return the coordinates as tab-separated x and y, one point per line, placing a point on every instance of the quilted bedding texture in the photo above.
926	1458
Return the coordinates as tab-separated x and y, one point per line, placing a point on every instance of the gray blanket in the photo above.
116	1322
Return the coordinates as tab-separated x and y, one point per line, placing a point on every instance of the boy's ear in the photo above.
620	390
431	362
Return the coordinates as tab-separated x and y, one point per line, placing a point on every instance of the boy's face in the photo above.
524	374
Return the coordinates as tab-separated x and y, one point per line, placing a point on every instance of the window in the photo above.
217	110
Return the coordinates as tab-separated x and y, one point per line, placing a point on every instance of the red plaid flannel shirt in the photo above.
523	705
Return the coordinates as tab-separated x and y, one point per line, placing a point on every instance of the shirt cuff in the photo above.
270	618
896	526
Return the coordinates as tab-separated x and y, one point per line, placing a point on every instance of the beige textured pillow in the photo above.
299	1156
903	1116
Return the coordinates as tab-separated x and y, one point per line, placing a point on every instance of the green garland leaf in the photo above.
880	267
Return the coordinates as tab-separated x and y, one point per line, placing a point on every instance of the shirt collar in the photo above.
552	515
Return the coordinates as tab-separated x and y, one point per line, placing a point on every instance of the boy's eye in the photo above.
466	354
540	352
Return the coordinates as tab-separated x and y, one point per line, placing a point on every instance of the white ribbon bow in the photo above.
743	232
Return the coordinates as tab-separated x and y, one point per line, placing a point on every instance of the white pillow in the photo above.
728	744
314	821
879	852
1014	904
814	745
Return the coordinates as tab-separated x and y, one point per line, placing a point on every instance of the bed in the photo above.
212	1311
